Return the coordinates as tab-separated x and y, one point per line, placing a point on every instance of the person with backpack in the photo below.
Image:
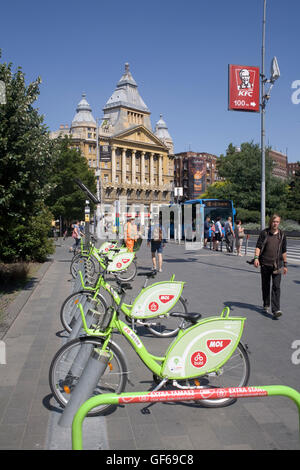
218	234
156	236
229	234
271	256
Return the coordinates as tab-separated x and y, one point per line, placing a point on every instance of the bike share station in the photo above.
203	348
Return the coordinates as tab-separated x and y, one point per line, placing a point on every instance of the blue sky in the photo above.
178	53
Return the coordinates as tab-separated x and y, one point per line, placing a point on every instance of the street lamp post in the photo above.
98	176
265	96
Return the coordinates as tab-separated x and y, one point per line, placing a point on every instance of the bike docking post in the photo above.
176	395
86	385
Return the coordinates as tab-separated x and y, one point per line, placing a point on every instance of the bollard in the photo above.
86	385
246	245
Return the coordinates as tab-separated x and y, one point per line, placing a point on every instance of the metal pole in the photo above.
263	112
98	173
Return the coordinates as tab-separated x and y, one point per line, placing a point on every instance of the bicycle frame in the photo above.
218	337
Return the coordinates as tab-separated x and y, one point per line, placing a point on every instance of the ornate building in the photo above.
134	161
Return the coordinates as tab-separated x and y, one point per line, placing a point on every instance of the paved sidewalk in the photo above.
29	415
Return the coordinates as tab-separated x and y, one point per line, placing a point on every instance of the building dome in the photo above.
161	130
83	113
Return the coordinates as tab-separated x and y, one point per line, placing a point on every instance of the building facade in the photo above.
194	172
280	164
131	159
292	168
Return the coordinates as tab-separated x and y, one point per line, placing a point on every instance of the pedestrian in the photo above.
270	255
229	235
65	233
76	235
156	236
239	236
218	234
206	230
130	233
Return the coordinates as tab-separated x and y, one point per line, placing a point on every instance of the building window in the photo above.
106	178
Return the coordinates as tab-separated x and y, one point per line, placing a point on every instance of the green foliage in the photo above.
25	166
242	173
66	199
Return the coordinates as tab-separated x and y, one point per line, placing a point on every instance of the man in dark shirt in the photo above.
270	255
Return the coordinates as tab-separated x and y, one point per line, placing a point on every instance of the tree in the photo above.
25	165
66	199
241	171
293	197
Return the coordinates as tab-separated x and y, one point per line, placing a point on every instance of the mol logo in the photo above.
126	260
217	345
166	298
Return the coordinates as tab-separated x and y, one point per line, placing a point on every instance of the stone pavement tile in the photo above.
281	437
119	429
202	436
261	412
146	436
124	444
171	427
176	443
288	417
11	436
5	394
16	415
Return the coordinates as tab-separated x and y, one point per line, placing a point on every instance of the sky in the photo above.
178	51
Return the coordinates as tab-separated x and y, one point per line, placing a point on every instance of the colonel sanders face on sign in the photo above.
245	79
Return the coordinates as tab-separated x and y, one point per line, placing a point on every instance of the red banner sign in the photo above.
243	90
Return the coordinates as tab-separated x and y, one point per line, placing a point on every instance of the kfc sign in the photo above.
243	88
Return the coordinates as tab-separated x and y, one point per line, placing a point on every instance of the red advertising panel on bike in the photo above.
243	88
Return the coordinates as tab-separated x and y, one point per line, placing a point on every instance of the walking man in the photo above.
270	255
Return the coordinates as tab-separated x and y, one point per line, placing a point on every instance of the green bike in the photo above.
152	308
206	355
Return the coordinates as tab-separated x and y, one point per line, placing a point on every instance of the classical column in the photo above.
160	170
133	168
143	168
124	165
151	169
113	164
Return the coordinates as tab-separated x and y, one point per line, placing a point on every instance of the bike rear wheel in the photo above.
68	365
128	274
166	326
234	373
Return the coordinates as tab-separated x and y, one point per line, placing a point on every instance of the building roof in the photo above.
83	112
126	94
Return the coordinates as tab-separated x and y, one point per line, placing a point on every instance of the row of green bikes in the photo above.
205	352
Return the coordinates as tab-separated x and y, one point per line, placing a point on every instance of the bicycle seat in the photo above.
190	316
149	274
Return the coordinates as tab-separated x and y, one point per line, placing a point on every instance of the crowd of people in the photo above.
215	233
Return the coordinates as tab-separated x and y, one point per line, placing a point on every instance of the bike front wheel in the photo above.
69	311
166	326
69	363
78	262
234	373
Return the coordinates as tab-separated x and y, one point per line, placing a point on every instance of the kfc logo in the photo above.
165	298
216	346
198	359
244	88
153	307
